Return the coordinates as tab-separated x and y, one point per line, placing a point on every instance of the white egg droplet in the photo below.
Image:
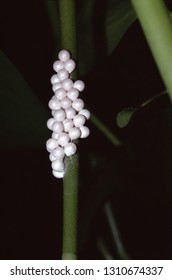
58	165
56	86
58	153
60	93
78	104
70	149
55	135
67	84
51	157
63	74
59	115
64	55
68	124
50	123
65	103
73	94
63	139
85	132
58	174
79	85
85	113
53	112
74	133
58	65
70	65
54	79
54	104
79	120
57	127
70	113
51	144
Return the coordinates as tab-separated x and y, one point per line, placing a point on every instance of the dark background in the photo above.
135	177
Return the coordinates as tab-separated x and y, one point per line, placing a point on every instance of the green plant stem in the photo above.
70	208
68	26
157	26
52	11
70	182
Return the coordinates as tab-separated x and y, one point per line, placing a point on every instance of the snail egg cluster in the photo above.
68	114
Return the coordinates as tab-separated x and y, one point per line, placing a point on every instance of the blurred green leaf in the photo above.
124	116
118	16
22	116
86	50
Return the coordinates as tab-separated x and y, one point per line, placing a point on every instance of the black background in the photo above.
31	199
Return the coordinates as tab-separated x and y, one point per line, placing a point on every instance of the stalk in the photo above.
157	27
70	181
52	12
70	208
68	26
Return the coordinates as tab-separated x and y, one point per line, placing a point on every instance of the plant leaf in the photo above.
22	116
118	16
86	50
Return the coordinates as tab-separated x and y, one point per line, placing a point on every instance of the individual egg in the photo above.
60	93
51	157
57	127
70	113
70	65
59	115
58	174
51	144
54	104
67	84
78	104
73	94
68	124
58	165
64	55
58	65
53	112
85	113
85	132
74	133
50	123
56	86
70	149
63	74
79	85
54	79
65	103
63	139
58	153
79	120
55	135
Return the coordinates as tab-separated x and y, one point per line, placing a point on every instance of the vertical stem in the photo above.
68	26
70	209
70	182
157	26
52	12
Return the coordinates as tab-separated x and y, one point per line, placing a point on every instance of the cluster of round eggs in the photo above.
68	114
